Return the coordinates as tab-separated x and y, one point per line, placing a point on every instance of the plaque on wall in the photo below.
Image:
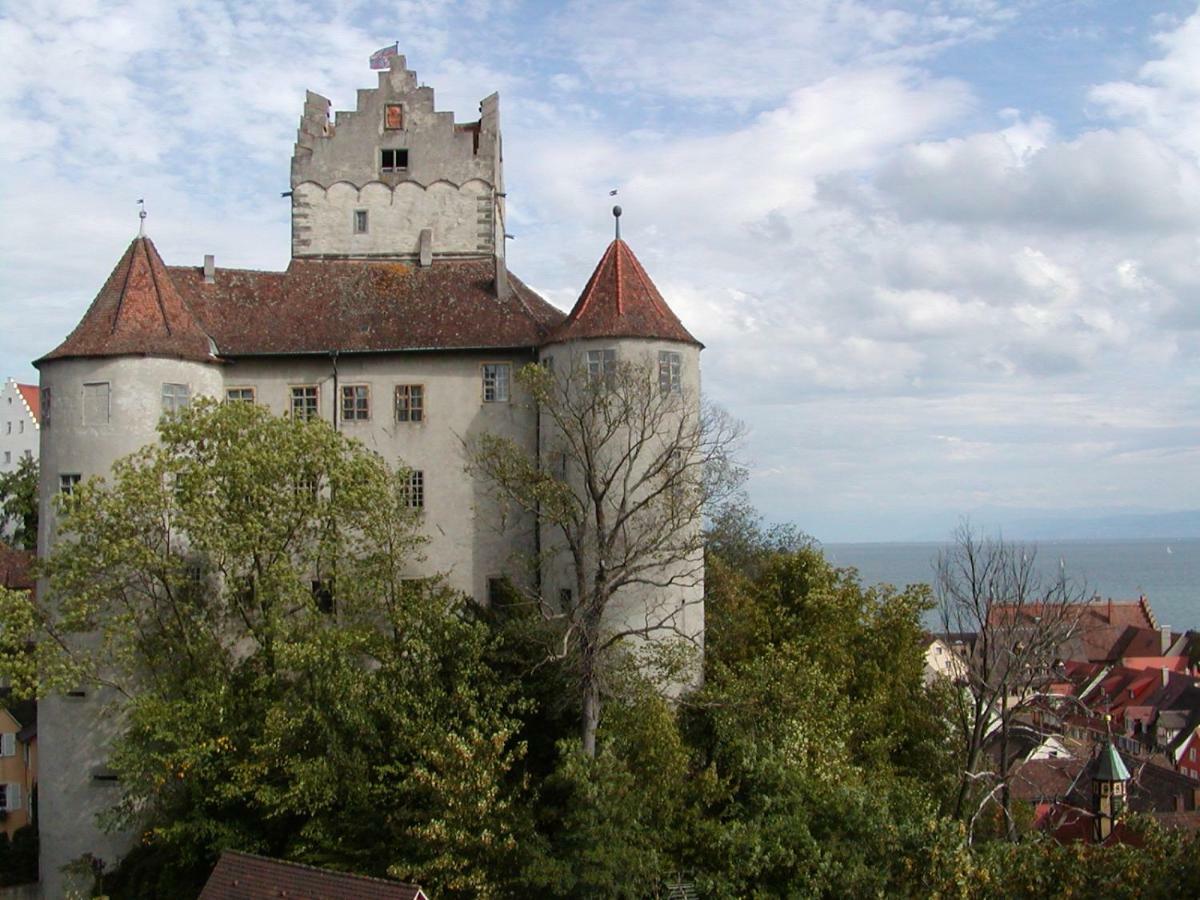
393	116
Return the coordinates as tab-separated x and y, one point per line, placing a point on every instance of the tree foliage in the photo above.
19	504
285	687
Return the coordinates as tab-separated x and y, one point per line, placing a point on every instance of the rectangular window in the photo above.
670	369
356	403
10	797
495	591
239	395
414	490
495	382
564	598
8	456
45	407
8	427
28	454
410	403
67	483
602	364
360	221
96	403
21	426
322	592
175	397
393	160
8	744
305	402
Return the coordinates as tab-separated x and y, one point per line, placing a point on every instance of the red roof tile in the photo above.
16	568
32	397
620	300
138	312
316	306
244	876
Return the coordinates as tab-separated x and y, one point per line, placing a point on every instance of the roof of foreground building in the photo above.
245	876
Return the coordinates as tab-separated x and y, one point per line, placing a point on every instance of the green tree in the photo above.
19	504
286	687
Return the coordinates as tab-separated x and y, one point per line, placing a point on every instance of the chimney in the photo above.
1165	640
502	288
210	269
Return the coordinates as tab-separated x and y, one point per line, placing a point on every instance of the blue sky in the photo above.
944	255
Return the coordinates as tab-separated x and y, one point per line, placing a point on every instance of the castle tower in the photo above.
1109	781
621	324
137	352
396	179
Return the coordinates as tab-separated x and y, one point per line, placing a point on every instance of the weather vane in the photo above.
141	218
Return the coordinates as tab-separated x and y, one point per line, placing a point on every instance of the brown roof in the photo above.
138	312
620	300
16	568
32	397
244	876
316	306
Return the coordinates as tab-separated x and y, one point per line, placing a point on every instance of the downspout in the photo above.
333	355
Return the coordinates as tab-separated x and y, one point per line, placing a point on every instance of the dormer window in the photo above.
393	160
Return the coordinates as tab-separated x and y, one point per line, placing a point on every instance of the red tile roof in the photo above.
32	397
619	301
244	876
16	568
138	312
316	306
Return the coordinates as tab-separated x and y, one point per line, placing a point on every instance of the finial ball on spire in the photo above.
617	211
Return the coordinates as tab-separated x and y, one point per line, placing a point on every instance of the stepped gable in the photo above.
33	402
620	301
361	306
138	312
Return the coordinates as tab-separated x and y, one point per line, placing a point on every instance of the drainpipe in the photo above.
333	355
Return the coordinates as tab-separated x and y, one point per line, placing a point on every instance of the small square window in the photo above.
68	483
239	395
175	397
356	403
602	365
410	403
414	490
360	221
305	402
495	382
393	160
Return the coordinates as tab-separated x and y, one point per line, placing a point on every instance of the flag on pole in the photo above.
382	58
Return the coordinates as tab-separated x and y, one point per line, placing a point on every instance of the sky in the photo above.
944	255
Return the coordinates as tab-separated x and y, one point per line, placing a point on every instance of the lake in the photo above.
1167	572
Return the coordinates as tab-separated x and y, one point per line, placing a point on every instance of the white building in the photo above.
396	320
19	431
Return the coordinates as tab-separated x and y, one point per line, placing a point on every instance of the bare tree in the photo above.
627	464
1017	624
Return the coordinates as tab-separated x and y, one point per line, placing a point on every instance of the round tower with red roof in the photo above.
623	356
137	352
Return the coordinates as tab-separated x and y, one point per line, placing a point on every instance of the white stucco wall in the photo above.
18	428
631	605
74	732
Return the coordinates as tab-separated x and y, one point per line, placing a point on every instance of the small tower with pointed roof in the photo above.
138	351
621	319
1110	780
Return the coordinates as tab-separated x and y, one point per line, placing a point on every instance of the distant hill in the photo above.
1133	526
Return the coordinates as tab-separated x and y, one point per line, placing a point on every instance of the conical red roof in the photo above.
138	312
621	301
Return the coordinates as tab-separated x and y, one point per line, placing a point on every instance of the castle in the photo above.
396	320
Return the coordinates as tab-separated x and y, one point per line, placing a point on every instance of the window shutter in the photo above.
14	796
8	744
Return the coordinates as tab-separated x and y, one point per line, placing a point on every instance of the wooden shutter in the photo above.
8	744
